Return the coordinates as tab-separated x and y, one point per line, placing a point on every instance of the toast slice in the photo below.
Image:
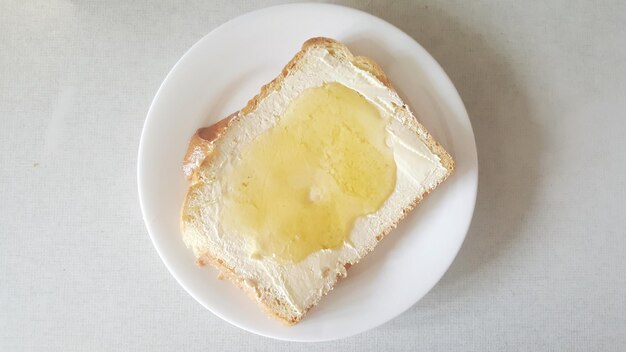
307	178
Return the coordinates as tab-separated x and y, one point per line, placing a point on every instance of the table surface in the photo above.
544	263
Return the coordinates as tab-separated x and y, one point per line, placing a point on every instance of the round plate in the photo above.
226	68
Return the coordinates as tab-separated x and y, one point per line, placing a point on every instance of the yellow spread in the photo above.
299	187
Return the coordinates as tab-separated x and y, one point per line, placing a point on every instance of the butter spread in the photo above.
300	186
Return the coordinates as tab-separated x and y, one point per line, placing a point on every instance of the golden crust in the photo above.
252	292
201	145
207	138
227	273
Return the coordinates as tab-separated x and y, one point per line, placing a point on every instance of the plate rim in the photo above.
141	152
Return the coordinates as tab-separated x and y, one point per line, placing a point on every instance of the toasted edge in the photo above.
206	138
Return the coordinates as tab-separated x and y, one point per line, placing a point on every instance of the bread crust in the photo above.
205	139
201	146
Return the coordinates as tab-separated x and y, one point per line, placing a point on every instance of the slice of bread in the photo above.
287	289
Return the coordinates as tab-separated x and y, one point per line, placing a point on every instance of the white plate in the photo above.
227	67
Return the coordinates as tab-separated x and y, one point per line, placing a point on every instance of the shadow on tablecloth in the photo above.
509	141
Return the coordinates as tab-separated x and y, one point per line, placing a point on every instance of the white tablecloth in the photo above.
544	263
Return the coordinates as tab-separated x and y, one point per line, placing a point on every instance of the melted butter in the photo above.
300	186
